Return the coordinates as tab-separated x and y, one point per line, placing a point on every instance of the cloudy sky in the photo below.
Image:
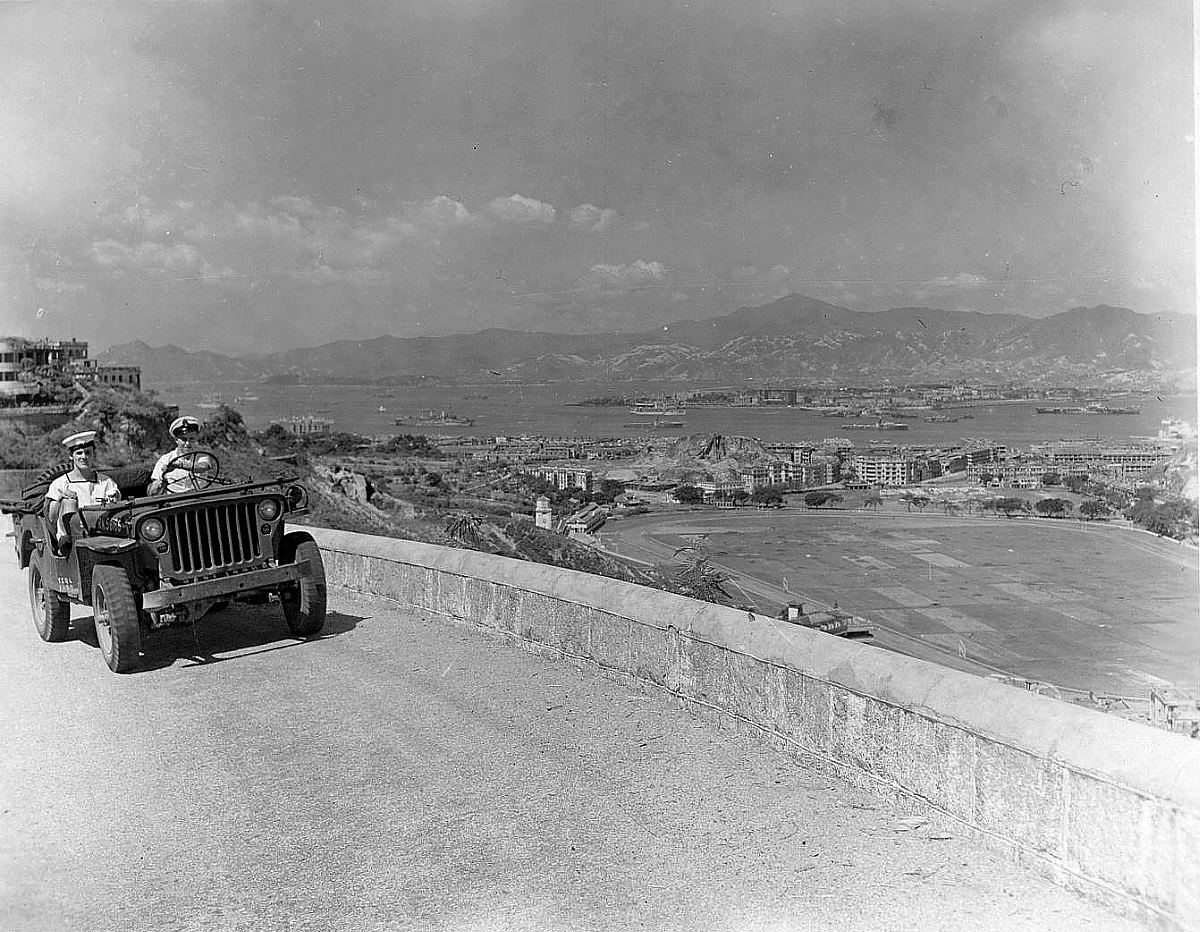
246	176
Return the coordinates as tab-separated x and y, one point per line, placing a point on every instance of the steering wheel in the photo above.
201	468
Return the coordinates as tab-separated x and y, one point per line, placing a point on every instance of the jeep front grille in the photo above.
215	537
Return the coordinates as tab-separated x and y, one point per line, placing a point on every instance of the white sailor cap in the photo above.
178	425
82	439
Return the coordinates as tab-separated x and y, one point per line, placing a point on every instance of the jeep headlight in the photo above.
151	529
296	497
268	509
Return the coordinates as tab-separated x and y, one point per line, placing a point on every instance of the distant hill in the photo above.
795	338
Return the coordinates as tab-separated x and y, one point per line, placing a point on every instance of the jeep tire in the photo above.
51	614
116	615
303	601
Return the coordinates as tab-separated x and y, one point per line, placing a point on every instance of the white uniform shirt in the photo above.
101	492
180	480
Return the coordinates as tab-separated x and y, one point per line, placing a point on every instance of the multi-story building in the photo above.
1125	459
19	355
89	371
892	469
565	477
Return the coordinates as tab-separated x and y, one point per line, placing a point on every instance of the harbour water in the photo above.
553	409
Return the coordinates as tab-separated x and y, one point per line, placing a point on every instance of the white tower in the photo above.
543	515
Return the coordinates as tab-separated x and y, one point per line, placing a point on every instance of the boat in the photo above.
941	419
656	409
382	409
1111	409
431	418
1087	409
656	425
211	400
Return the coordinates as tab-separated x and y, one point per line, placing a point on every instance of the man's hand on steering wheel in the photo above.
200	467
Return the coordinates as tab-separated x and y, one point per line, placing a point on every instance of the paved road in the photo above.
400	773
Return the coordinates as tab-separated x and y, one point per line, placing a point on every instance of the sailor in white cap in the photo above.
185	430
81	487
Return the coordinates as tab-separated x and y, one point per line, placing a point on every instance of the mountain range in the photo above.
795	339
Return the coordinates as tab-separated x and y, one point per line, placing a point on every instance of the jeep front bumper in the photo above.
167	596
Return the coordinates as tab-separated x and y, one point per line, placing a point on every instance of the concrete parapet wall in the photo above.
1109	806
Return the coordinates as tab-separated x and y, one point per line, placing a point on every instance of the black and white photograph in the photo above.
587	465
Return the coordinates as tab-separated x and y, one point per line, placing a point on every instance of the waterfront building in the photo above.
1122	459
305	425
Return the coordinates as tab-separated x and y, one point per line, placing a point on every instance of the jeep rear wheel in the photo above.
51	615
303	600
116	616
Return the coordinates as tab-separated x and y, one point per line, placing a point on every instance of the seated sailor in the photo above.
81	487
167	478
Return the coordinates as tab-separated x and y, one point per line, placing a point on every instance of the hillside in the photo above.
795	338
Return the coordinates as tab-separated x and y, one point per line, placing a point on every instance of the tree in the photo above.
1051	478
696	577
873	500
464	527
986	479
818	499
767	495
1052	507
951	507
919	502
1010	506
1075	484
688	495
1093	508
740	497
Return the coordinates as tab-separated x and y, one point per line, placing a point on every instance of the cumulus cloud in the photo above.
590	217
444	211
625	276
523	210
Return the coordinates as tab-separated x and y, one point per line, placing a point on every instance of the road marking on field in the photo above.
904	596
955	621
938	559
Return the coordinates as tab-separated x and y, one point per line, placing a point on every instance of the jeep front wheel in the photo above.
303	600
51	615
116	615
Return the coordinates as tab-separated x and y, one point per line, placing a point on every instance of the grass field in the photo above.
1076	605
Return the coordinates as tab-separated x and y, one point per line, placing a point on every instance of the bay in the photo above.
552	410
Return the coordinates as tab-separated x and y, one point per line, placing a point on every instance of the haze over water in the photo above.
551	410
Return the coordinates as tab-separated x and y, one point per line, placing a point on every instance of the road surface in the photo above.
402	773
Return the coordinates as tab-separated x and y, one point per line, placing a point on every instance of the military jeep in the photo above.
149	562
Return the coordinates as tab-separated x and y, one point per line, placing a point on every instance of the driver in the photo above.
165	477
82	487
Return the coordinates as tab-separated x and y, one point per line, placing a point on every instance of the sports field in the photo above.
1075	605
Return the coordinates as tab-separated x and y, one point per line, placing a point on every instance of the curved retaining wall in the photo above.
1110	807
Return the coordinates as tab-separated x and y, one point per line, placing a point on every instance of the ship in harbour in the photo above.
431	418
1087	409
656	409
